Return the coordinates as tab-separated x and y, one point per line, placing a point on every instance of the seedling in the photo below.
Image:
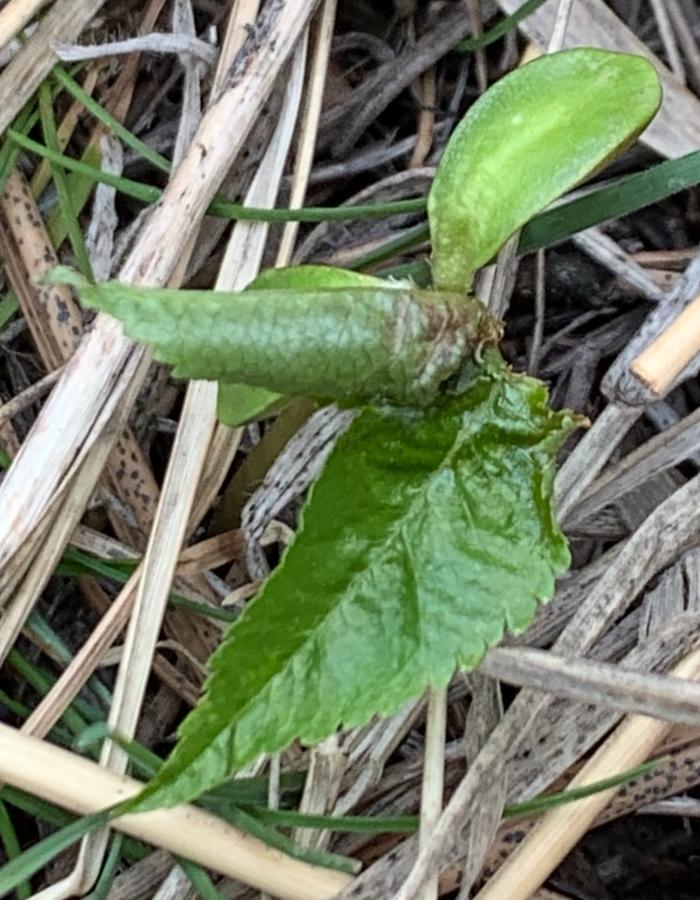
431	528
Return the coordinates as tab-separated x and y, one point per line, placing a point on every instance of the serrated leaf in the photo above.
531	137
428	532
241	403
351	344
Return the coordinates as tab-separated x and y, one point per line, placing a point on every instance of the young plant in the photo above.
431	527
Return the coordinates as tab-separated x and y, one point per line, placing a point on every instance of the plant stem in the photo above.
433	774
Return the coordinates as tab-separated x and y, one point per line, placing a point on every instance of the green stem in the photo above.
148	193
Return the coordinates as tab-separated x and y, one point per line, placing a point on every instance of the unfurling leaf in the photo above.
428	532
388	342
241	403
531	137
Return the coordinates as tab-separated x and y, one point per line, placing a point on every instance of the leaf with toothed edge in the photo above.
428	532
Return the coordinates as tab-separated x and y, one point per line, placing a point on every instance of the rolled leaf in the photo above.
350	344
530	138
241	403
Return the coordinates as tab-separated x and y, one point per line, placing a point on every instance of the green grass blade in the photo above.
144	192
76	562
8	836
9	151
8	307
501	28
619	199
78	714
115	126
148	193
58	733
27	864
199	879
72	226
287	818
42	683
543	803
33	806
42	634
109	869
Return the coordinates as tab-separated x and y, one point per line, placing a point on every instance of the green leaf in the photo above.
307	278
366	343
241	403
500	28
532	136
428	532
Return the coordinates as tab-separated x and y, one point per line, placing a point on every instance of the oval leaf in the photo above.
530	138
428	532
350	344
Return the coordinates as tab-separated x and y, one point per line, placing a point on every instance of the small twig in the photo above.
667	356
688	807
426	119
28	396
77	784
538	328
477	29
592	681
668	38
559	830
609	254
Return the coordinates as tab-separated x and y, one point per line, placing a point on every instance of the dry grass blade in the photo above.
666	449
197	424
308	125
106	366
15	15
663	360
83	787
485	712
18	81
591	454
668	38
539	854
601	683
